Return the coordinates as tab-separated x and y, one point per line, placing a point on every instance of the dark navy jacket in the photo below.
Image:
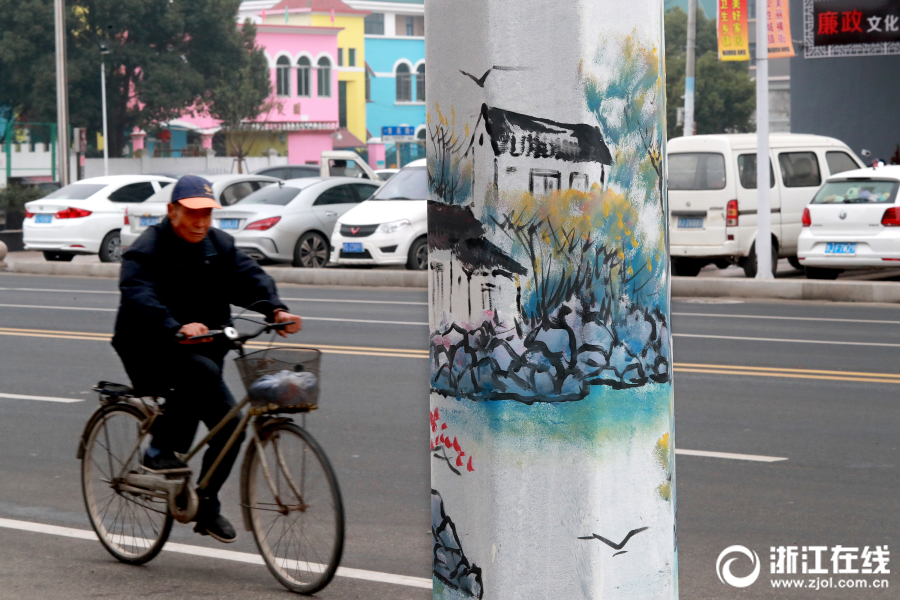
167	282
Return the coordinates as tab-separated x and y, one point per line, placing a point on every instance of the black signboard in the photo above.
843	22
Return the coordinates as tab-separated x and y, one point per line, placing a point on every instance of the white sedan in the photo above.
391	228
290	221
227	189
85	217
853	222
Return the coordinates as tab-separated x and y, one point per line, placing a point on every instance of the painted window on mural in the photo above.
404	84
303	68
543	182
324	78
420	83
578	181
375	24
283	76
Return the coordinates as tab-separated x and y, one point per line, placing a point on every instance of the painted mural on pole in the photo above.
550	349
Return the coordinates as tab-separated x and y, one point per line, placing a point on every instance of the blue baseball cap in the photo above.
192	191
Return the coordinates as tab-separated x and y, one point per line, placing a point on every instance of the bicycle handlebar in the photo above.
231	333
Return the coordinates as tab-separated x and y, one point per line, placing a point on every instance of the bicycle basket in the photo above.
273	361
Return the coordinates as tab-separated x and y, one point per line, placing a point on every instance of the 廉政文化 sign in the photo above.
851	27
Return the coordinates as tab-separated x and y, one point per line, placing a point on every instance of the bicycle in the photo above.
290	497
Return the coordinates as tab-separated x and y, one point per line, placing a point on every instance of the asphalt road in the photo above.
813	383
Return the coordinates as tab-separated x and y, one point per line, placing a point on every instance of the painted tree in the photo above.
449	173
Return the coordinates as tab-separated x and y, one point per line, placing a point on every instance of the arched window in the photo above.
404	84
420	83
303	66
283	76
324	77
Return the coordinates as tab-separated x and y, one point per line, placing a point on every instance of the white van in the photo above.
712	195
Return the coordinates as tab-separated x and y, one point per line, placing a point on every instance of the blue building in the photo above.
395	71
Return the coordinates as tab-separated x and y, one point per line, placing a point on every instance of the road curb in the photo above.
337	277
787	289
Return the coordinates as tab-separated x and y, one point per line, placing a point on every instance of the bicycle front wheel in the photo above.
294	507
132	527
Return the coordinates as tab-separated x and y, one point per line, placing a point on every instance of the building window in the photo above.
303	67
323	76
283	76
351	57
420	83
752	55
404	84
375	24
340	57
410	26
368	86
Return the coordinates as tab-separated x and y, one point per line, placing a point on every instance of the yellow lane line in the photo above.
785	375
783	370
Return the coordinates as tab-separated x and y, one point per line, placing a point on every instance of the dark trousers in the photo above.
198	394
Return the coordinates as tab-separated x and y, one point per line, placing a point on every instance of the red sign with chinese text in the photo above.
841	22
779	29
731	18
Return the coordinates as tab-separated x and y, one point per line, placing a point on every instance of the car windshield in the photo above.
857	191
271	194
408	184
76	191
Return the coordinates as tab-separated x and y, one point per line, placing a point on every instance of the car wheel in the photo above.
311	251
54	256
816	273
795	262
686	267
417	259
749	263
111	248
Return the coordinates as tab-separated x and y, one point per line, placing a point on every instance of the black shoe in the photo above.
164	462
217	526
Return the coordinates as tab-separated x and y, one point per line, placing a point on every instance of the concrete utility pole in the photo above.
104	49
690	65
763	213
62	92
551	436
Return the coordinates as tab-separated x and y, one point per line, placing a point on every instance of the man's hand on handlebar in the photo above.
283	316
193	330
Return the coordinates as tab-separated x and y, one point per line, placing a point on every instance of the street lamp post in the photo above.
62	91
104	49
764	214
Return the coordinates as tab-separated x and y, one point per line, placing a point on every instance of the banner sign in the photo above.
731	18
851	27
779	29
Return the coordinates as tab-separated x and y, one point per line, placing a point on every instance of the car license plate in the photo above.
353	247
690	223
43	218
840	248
148	221
228	223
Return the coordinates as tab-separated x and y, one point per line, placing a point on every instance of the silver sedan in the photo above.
292	221
227	190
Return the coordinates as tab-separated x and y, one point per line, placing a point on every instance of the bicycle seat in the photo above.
114	390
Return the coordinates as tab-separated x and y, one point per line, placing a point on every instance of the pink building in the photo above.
303	64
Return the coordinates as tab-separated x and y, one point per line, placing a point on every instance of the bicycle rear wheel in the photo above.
300	533
132	527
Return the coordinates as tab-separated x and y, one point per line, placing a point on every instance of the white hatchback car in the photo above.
227	189
391	227
853	222
85	217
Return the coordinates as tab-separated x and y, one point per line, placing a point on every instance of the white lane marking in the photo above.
692	314
355	301
16	289
233	315
729	455
58	307
245	557
754	339
330	300
41	398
